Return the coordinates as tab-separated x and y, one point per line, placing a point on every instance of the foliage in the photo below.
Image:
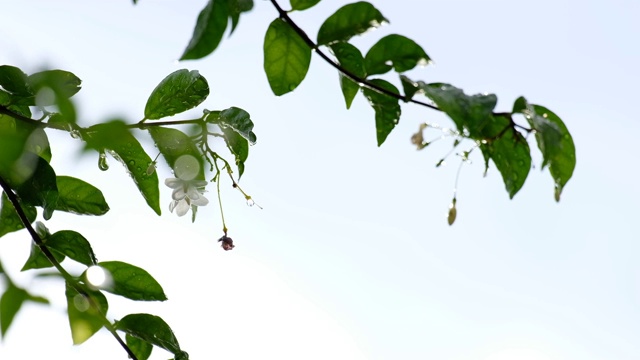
30	182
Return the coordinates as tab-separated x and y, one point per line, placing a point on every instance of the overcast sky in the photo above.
351	256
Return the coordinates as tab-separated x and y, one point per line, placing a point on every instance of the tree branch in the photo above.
68	277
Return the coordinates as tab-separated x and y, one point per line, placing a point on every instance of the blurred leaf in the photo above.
10	304
210	27
79	197
348	21
133	282
13	80
395	51
63	83
40	189
386	107
139	347
510	152
73	245
151	329
554	141
236	8
174	143
238	120
286	57
9	219
125	148
179	91
86	313
303	4
350	58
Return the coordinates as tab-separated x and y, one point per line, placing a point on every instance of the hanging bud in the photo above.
451	217
227	243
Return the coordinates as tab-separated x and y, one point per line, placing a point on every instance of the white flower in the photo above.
186	193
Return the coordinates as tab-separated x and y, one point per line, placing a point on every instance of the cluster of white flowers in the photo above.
187	191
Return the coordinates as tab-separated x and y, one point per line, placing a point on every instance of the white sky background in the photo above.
352	257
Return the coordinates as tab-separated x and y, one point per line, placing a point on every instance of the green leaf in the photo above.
236	8
40	189
86	313
37	259
286	57
63	83
73	245
151	329
395	51
510	152
174	143
125	148
79	197
133	282
10	304
9	219
409	87
179	91
238	120
350	58
554	141
13	80
239	147
210	27
139	347
303	4
350	20
473	114
17	138
386	107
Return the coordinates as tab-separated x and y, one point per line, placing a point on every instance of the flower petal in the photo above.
173	183
200	201
178	194
182	208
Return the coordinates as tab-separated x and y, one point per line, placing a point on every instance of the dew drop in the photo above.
132	163
152	168
102	161
250	202
75	134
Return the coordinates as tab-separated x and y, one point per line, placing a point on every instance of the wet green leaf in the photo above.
178	92
140	348
86	313
303	4
238	120
210	27
394	51
123	146
151	329
40	188
9	219
133	282
80	197
510	152
554	141
10	304
13	80
286	57
73	245
387	108
174	143
350	58
350	20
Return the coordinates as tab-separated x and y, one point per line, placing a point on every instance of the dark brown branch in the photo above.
47	253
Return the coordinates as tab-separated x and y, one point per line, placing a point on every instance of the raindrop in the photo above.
152	168
292	87
132	163
102	161
250	202
81	303
75	134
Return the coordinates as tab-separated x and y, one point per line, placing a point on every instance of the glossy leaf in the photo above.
350	58
394	51
86	313
73	245
123	146
511	155
303	4
238	146
236	8
238	120
37	259
387	108
40	188
9	219
349	21
79	197
554	141
286	57
409	87
139	347
13	80
469	113
132	282
174	143
151	329
10	304
210	27
178	92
